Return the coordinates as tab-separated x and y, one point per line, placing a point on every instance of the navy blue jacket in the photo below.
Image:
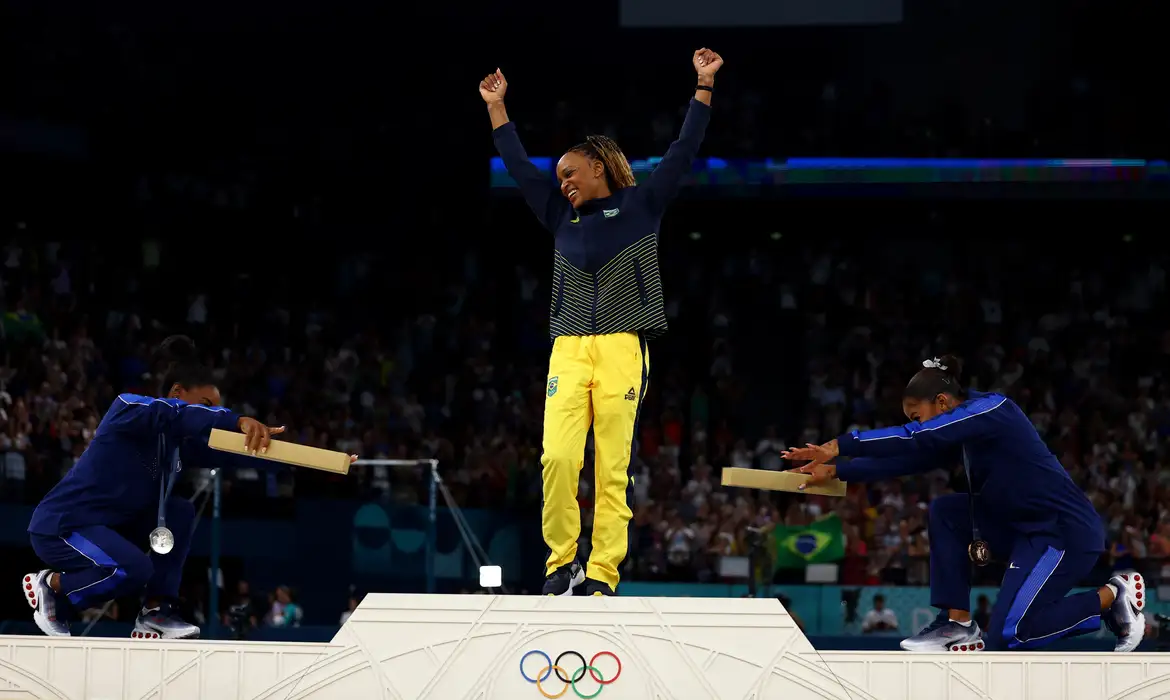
1016	476
606	277
116	480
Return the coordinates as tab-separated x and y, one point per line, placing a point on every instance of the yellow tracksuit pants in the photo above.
598	381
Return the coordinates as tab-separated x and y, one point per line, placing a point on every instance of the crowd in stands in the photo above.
443	355
1084	354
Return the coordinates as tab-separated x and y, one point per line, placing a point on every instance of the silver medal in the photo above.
161	540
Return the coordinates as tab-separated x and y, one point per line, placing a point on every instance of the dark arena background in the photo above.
310	192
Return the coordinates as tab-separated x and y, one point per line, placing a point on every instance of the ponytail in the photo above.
939	375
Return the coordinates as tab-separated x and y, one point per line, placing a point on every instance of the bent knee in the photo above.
994	640
1006	636
135	573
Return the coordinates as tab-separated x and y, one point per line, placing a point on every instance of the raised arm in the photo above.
663	183
541	193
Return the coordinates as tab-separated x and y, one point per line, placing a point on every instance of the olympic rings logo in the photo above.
570	680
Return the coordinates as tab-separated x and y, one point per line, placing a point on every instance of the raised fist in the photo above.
707	62
493	87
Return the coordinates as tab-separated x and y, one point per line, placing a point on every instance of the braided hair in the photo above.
606	151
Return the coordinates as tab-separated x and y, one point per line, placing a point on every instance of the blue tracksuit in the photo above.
1028	509
606	277
93	526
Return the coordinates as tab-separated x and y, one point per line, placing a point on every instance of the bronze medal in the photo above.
979	552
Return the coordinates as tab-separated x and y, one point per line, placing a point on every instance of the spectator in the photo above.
284	612
446	383
352	606
879	618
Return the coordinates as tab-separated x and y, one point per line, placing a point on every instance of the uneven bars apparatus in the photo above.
331	461
432	505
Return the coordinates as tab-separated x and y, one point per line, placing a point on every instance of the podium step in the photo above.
475	647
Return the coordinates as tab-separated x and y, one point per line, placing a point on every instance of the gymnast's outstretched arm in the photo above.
865	469
148	415
974	420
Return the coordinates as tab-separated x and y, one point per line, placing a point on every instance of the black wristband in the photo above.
708	88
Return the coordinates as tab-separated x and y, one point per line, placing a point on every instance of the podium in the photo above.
479	647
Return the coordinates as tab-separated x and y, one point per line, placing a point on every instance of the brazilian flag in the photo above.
796	547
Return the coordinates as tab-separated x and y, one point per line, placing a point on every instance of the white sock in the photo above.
965	624
1113	588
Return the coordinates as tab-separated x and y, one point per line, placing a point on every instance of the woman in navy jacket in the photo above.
1026	510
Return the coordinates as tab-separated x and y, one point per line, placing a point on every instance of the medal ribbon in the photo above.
970	494
166	482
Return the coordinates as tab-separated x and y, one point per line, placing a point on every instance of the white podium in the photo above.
437	647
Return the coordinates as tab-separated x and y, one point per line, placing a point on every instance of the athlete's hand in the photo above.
493	87
707	63
816	454
818	474
257	435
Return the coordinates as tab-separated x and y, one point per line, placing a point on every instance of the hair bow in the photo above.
934	364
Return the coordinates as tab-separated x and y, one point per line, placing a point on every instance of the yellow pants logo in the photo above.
552	386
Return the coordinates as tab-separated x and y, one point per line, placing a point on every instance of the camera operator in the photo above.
240	617
759	566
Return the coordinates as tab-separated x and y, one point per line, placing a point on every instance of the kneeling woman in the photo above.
1028	510
91	528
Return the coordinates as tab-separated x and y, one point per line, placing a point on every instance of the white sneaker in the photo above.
163	623
41	598
1125	617
945	634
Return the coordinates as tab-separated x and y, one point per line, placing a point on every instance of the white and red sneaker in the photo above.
1125	617
163	622
945	634
41	598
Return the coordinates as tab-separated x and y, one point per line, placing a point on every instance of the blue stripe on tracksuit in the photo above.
1033	607
1037	616
98	563
102	588
1028	509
